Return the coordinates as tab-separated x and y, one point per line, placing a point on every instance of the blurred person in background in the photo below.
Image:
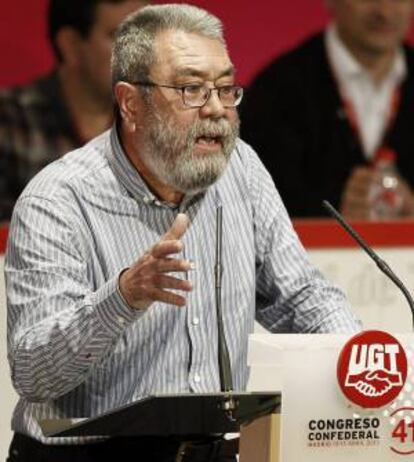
61	111
324	113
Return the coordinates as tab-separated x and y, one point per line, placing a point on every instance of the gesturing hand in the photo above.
146	280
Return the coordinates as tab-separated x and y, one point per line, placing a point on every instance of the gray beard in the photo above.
168	151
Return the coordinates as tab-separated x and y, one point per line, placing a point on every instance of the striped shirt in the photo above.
77	350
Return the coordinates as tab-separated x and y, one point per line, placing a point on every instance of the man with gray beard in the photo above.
111	252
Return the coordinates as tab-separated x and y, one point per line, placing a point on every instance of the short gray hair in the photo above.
133	49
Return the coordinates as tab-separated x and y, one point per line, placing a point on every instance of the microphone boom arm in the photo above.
381	264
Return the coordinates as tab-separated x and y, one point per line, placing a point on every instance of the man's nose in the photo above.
213	107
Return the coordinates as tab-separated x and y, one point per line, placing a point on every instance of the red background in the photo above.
256	31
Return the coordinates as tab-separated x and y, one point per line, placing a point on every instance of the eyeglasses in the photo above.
198	95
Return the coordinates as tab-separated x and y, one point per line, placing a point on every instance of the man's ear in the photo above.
129	103
68	41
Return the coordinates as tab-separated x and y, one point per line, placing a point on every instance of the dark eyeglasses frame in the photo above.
208	91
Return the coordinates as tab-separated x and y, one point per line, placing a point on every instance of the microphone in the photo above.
381	264
226	381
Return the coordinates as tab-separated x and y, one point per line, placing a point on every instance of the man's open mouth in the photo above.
209	140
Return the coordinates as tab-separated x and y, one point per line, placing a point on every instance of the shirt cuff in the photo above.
112	309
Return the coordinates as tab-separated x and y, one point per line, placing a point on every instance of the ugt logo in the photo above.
372	369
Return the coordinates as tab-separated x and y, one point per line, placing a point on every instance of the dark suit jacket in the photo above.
293	116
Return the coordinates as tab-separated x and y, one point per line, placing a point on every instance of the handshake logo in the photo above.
367	371
372	369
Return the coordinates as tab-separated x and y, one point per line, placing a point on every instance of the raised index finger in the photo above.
178	228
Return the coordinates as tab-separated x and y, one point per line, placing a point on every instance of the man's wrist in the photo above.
136	306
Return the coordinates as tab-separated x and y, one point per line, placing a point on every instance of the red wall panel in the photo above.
255	30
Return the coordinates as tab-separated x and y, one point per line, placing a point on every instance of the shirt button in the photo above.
121	320
147	200
197	378
196	322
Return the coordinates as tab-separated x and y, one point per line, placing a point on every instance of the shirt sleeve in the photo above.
292	295
59	325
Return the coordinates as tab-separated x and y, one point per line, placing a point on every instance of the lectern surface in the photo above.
170	415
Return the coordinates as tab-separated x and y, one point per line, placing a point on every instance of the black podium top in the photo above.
171	415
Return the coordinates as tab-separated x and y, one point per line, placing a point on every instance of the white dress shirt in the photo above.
371	102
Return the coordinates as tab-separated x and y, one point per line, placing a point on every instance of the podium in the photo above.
187	416
317	422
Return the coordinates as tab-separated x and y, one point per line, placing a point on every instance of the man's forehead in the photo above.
199	72
189	54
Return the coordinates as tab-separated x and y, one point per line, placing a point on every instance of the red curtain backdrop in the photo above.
256	31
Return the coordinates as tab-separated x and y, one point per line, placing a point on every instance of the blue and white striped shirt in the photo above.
76	349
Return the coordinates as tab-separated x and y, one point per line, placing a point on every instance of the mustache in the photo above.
213	129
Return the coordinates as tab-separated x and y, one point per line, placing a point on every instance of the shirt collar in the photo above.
346	66
125	171
132	181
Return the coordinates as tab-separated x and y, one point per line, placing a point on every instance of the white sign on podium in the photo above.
318	422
